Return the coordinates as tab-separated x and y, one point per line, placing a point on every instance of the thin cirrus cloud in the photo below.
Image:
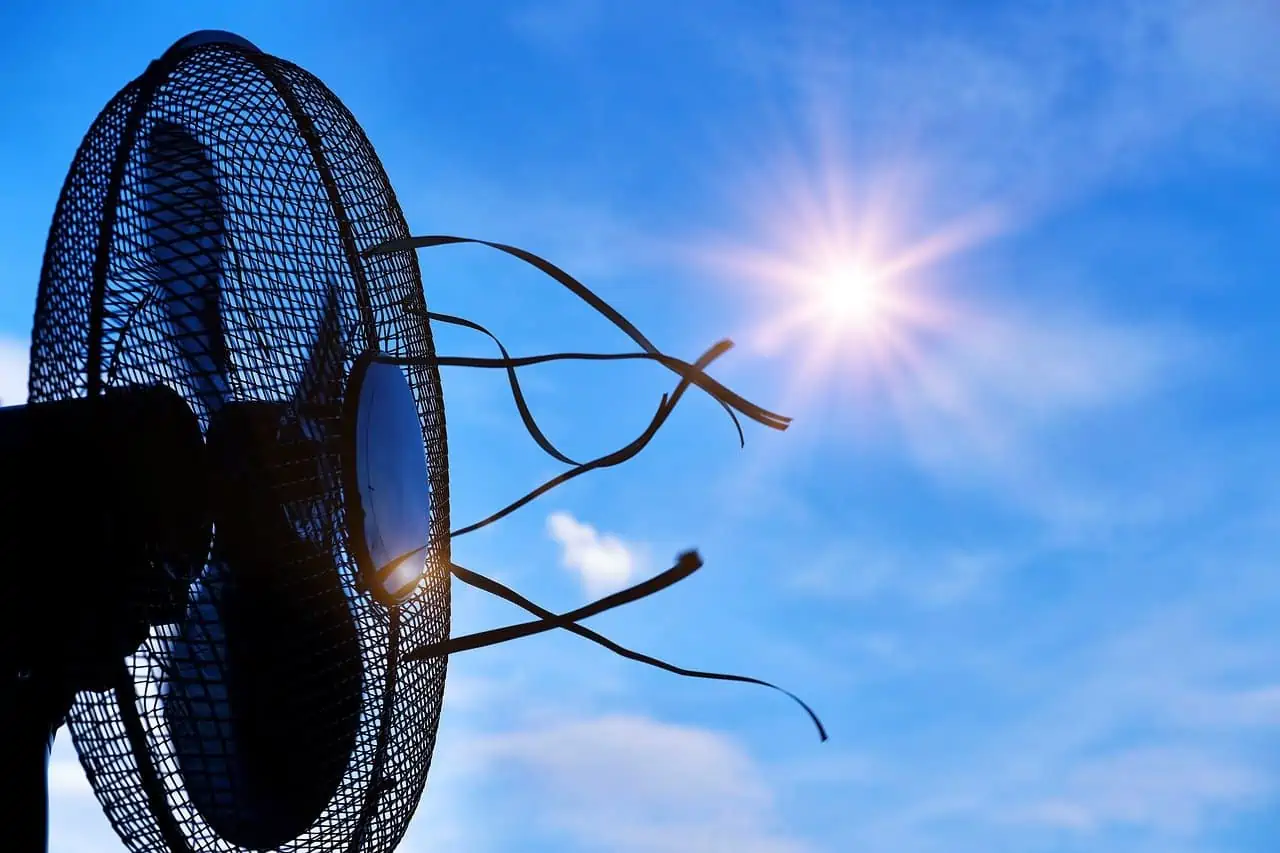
977	406
632	784
1174	791
1202	767
856	571
1150	733
1040	104
602	562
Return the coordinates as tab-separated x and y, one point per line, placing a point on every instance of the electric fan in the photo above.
232	466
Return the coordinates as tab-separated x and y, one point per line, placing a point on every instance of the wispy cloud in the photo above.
633	784
602	561
558	25
1169	790
992	394
928	578
1009	400
76	820
1036	102
67	779
1227	49
14	357
523	766
1152	732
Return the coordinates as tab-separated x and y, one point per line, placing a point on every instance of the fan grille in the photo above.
303	194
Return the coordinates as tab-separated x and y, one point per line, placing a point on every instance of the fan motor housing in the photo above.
111	492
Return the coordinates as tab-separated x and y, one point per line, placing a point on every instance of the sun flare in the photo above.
839	309
842	281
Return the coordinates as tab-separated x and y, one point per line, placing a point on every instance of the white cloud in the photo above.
1050	365
1171	790
77	823
451	813
603	562
14	357
67	779
632	784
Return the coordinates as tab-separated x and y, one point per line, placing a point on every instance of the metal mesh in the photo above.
303	193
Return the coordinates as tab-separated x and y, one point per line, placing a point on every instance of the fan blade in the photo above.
308	452
265	681
194	692
263	685
321	383
264	702
186	229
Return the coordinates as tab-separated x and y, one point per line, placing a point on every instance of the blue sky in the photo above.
1022	561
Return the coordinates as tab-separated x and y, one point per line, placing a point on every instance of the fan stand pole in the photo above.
32	717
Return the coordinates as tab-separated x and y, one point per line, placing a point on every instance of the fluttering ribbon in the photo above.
689	373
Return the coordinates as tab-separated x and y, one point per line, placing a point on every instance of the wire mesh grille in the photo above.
302	193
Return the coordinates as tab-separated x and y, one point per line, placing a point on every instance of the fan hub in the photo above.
387	485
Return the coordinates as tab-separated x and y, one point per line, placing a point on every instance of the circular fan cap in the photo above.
200	37
387	485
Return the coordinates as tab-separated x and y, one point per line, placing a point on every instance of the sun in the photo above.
843	284
840	306
850	295
837	309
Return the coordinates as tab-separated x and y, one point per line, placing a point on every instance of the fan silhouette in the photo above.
234	454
